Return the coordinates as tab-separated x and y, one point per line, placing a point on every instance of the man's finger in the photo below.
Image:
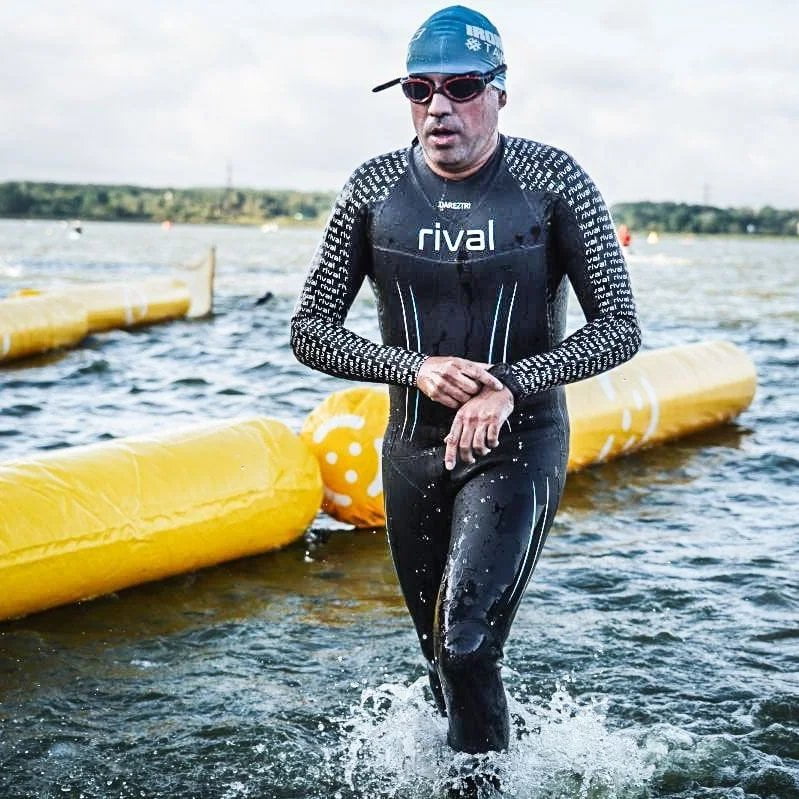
456	393
492	435
445	393
487	379
452	439
479	372
479	441
456	374
466	383
465	444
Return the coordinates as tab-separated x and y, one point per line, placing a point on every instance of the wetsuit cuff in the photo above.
504	373
417	367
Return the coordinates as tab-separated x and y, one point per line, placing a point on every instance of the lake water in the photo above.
655	653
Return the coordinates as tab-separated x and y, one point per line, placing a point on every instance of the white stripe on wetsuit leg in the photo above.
407	346
418	349
529	544
494	327
532	536
543	525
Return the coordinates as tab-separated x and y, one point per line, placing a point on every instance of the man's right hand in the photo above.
452	381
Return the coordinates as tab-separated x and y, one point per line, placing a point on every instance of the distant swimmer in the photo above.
470	240
262	300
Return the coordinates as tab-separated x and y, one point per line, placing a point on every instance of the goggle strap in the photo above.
387	85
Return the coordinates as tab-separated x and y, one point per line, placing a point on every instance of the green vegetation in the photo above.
31	200
684	218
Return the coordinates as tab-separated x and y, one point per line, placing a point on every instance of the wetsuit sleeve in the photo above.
318	336
586	248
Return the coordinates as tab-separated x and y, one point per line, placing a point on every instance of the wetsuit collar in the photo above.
452	198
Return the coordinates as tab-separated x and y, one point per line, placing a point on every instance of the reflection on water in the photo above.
655	653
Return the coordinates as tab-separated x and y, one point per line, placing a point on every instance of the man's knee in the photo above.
466	647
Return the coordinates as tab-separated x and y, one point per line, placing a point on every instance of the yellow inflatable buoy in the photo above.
346	434
658	395
84	521
118	305
33	323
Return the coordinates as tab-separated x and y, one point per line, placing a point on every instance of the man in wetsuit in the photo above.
469	239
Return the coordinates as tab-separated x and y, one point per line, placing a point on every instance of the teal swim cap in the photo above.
456	40
453	41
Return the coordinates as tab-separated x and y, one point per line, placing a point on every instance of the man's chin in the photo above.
445	154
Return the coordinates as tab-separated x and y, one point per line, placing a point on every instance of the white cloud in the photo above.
654	100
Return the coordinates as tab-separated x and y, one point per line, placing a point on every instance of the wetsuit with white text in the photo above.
475	268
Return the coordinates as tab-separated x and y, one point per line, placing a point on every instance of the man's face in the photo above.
457	138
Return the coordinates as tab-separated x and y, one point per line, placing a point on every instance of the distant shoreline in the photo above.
107	203
277	223
24	200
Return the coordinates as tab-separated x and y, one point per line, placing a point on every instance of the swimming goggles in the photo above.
458	88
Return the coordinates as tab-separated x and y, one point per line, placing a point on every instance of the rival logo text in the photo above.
473	240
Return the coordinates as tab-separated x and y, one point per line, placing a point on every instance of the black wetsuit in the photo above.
475	268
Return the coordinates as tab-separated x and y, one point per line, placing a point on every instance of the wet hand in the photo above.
453	381
475	428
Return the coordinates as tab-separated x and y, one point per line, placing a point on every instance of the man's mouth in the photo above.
441	135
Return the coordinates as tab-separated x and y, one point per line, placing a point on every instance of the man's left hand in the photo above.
475	428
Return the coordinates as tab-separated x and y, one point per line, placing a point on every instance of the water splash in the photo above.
393	745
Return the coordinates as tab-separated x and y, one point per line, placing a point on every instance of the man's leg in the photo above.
501	515
418	501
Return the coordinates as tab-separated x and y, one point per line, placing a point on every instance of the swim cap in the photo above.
456	40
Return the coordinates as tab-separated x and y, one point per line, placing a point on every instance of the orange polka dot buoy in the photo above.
345	432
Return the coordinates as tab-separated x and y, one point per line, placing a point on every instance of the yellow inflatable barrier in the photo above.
33	321
657	396
115	305
85	521
34	324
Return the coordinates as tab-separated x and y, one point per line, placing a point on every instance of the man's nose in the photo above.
439	105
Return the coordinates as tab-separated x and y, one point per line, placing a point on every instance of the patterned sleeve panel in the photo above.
318	336
586	246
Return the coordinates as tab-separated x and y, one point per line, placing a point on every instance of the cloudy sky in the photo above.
686	101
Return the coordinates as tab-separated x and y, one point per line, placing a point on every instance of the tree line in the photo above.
33	200
684	218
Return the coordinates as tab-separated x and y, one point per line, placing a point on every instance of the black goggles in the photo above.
458	88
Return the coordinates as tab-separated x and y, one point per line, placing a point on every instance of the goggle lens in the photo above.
418	90
461	89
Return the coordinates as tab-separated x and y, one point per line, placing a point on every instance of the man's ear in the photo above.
503	98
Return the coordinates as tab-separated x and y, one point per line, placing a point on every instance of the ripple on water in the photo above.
20	409
780	708
778	740
190	381
97	367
